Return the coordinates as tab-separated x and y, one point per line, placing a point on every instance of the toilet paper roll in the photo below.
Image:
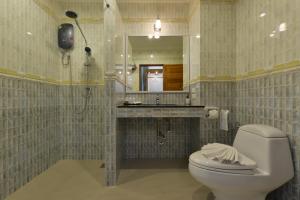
212	114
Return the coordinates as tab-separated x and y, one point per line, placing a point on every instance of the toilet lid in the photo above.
200	160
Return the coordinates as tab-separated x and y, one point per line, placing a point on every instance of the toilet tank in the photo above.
268	146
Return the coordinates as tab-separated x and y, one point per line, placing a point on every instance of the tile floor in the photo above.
83	180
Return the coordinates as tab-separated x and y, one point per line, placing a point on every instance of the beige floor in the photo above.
83	180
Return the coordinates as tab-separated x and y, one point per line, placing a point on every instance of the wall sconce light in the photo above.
157	25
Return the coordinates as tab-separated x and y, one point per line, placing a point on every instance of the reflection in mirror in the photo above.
157	65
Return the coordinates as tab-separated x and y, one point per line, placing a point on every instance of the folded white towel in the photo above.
224	120
222	153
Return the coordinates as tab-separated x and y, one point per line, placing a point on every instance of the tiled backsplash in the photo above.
164	98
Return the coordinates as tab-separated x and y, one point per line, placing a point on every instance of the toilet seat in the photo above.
197	159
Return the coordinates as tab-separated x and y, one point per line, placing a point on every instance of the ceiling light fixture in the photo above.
157	29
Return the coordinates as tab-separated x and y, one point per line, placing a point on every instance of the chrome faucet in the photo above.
157	100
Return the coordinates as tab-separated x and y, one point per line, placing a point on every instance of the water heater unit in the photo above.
66	36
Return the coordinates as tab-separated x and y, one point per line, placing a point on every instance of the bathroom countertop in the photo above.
158	106
156	111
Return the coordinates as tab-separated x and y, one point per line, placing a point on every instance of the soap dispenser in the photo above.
187	100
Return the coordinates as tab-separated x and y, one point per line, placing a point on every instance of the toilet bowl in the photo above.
270	165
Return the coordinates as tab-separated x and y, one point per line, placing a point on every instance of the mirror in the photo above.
157	65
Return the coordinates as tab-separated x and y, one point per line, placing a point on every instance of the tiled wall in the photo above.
90	12
267	44
29	131
140	22
82	129
261	49
164	98
38	125
213	58
274	100
221	94
146	10
76	71
217	19
139	16
257	47
81	122
141	140
194	41
114	89
30	49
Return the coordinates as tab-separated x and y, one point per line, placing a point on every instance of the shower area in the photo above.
62	73
81	95
52	86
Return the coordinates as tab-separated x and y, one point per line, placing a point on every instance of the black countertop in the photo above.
157	106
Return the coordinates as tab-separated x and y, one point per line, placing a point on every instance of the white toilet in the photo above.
268	147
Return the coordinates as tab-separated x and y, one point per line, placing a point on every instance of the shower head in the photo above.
71	14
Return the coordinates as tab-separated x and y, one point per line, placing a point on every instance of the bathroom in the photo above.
109	99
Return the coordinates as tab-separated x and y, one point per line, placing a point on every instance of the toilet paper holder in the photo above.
207	110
